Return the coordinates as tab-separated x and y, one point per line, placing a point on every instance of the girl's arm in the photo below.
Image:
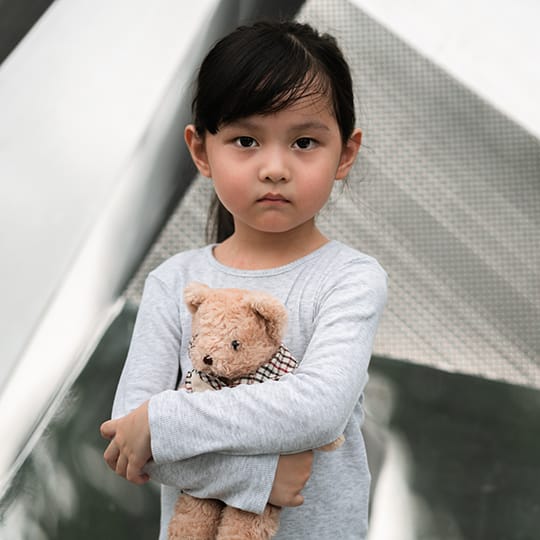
202	476
301	411
153	358
241	485
240	481
151	367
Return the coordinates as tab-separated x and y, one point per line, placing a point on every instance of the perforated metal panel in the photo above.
446	194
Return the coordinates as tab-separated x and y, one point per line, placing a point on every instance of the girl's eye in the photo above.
305	143
235	344
246	142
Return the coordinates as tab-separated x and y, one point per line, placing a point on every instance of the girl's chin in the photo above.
279	227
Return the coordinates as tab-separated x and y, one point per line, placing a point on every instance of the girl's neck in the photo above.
252	250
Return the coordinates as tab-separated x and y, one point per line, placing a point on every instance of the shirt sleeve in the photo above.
152	362
240	481
301	411
151	366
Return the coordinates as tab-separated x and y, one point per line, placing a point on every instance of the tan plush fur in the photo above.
234	332
255	320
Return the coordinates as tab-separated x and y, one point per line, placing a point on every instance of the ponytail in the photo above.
220	224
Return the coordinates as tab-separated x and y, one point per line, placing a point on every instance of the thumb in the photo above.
108	429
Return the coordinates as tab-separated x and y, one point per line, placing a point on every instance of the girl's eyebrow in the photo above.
308	125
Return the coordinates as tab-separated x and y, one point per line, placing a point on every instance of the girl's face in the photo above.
275	172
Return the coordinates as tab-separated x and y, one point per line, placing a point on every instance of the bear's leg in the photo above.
194	519
240	525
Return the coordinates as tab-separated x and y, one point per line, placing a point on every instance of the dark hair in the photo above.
262	69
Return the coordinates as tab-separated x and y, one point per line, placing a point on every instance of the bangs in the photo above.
260	79
271	92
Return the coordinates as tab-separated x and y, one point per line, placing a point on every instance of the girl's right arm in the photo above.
151	367
210	476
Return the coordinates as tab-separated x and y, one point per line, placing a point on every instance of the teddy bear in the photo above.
236	339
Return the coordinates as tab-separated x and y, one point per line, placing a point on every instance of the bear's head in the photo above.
234	331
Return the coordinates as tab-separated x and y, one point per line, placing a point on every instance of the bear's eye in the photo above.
235	344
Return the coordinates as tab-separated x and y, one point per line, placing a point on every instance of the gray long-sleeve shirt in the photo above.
226	444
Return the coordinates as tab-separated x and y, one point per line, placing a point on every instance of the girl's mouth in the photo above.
273	198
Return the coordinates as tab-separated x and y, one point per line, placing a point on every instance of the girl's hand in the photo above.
292	473
129	449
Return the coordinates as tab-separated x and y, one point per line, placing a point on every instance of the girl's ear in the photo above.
197	149
348	154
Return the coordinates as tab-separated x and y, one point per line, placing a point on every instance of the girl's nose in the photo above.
274	167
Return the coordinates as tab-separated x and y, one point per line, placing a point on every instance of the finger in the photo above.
121	466
143	478
111	455
135	474
108	429
297	500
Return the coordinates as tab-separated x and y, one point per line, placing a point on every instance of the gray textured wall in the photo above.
446	194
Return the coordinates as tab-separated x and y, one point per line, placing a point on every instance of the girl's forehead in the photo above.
314	109
311	104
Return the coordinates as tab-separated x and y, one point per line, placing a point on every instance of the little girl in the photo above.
273	129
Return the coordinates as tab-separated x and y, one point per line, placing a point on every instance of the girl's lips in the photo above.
273	197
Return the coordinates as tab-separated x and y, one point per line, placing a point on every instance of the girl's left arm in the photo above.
301	411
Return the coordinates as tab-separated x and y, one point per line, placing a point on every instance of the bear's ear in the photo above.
195	294
273	313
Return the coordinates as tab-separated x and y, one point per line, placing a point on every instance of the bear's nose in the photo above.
207	360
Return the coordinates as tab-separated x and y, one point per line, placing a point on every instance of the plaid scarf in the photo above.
281	363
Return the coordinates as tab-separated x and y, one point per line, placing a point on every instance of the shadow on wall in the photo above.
458	455
64	489
16	19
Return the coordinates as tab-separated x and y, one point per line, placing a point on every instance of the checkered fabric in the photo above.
280	364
